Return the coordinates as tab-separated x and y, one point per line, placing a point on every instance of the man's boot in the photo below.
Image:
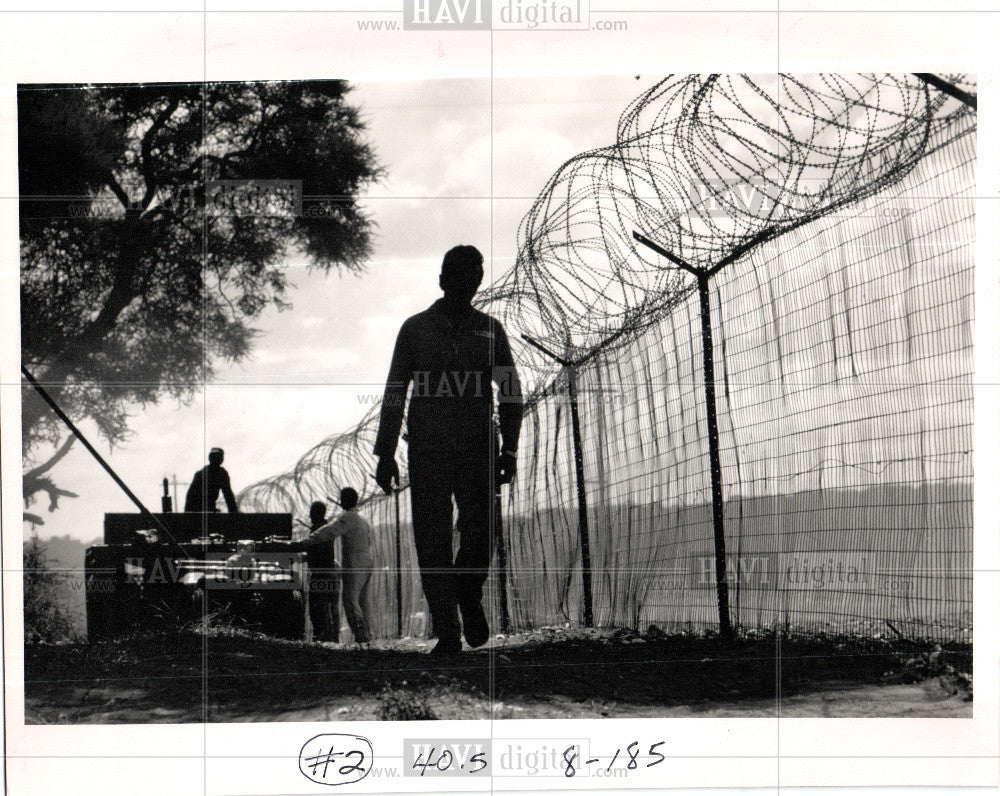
445	619
474	625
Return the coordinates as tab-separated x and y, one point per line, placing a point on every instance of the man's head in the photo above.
317	511
215	456
348	498
461	272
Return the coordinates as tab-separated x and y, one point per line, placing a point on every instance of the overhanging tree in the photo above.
155	220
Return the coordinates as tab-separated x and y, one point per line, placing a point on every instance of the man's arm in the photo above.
511	402
194	491
227	493
330	531
394	397
323	535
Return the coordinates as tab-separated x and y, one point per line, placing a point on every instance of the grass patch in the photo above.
399	704
226	674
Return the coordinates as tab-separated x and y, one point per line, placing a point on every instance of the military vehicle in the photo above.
233	569
190	567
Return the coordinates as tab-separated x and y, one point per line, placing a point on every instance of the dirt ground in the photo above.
550	673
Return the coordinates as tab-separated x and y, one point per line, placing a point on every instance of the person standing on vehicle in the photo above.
452	354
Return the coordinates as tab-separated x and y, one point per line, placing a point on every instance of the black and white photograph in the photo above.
745	329
354	402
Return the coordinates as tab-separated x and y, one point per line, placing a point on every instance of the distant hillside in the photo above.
66	552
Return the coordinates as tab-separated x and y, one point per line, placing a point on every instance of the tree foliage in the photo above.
146	248
46	618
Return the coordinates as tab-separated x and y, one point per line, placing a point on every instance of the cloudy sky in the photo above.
464	160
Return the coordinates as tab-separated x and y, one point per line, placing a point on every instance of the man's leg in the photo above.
334	603
315	611
475	497
332	631
365	602
355	586
320	605
430	499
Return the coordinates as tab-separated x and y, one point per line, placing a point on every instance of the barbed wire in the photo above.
709	167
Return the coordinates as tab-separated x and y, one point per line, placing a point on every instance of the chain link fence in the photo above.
841	330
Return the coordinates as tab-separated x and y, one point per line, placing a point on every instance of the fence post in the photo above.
718	517
704	275
581	499
950	89
399	570
501	544
581	484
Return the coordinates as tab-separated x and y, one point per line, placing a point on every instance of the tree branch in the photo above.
35	472
68	359
146	148
117	189
45	484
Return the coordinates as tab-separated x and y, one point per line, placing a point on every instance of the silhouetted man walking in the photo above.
207	483
452	354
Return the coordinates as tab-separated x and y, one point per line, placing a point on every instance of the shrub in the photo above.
46	619
402	705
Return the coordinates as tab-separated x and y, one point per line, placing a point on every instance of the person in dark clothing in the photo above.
317	515
358	562
207	483
324	577
452	354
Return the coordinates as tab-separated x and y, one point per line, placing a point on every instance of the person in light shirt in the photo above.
358	562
